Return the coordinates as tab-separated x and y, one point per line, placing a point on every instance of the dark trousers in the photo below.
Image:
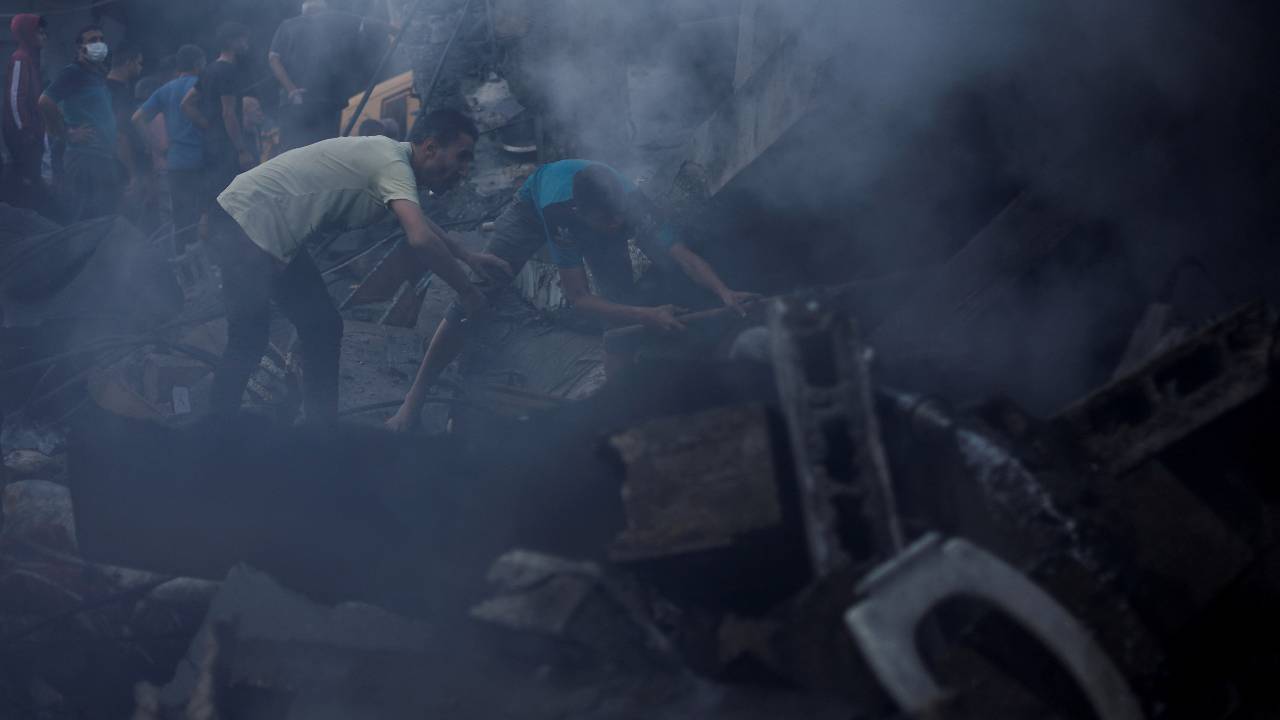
93	184
302	125
23	186
189	194
251	281
221	166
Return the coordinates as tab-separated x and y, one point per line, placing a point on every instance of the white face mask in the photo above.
96	52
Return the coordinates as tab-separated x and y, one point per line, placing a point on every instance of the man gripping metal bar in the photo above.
264	217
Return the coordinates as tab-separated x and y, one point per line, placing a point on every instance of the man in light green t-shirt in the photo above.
266	214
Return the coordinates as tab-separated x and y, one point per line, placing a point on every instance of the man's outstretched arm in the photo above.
489	266
573	280
701	272
435	253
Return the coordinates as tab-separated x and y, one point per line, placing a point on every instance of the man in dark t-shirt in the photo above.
214	105
126	67
312	56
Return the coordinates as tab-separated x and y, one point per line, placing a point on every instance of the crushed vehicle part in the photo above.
903	591
824	386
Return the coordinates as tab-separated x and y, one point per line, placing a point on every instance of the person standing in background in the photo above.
126	68
371	127
257	130
23	125
184	159
77	111
214	105
310	56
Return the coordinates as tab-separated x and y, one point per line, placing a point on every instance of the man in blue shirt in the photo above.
189	190
584	212
78	112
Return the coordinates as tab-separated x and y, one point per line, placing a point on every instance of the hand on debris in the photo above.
295	95
663	318
491	267
738	300
403	421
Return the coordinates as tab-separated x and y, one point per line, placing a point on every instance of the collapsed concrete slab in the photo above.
577	608
278	643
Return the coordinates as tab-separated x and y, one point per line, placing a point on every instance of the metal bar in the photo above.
493	37
435	76
630	337
373	81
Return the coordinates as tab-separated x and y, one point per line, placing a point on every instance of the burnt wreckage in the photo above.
862	499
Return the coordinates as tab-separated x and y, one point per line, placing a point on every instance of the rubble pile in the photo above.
778	536
854	499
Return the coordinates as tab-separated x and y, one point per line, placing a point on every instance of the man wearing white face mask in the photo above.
77	111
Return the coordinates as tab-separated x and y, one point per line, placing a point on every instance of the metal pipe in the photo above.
435	76
373	81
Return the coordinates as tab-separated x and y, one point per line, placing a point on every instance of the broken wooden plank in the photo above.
696	482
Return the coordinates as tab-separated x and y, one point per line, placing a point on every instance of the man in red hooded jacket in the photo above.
23	124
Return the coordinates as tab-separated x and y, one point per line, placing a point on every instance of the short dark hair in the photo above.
370	127
444	125
597	188
125	53
189	58
86	30
229	32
